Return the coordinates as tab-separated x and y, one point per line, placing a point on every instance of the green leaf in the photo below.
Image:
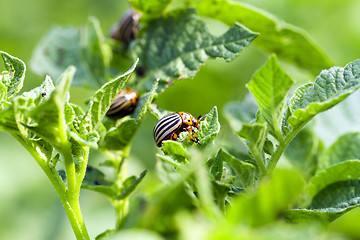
164	204
175	153
39	94
172	159
58	49
174	47
43	149
338	195
304	151
309	215
330	203
271	198
209	127
96	52
3	93
270	86
275	36
48	119
157	112
77	140
255	133
94	176
84	48
77	149
245	171
215	165
150	7
120	137
330	87
130	185
347	224
8	121
189	226
347	147
16	117
237	113
145	102
221	190
69	113
340	172
335	191
95	181
90	139
13	118
11	80
101	101
174	148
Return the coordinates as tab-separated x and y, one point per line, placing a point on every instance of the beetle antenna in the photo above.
201	117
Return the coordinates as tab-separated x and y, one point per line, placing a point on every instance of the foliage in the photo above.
199	186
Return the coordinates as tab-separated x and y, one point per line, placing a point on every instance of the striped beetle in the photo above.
170	126
127	28
123	104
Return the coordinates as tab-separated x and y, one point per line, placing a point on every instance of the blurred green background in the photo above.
29	206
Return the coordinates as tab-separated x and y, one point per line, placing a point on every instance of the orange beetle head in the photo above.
189	120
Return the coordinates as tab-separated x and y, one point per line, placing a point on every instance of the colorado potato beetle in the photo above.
127	28
123	104
170	126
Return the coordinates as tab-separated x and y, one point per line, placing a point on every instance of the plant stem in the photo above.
79	178
277	129
70	172
282	146
259	161
121	208
74	185
69	199
76	220
221	204
120	168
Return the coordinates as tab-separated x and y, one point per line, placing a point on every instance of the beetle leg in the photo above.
195	139
188	130
195	136
173	136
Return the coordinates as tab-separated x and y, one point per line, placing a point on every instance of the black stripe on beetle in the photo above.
161	125
170	126
124	104
127	28
166	126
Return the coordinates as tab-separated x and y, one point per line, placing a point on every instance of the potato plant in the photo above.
214	189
